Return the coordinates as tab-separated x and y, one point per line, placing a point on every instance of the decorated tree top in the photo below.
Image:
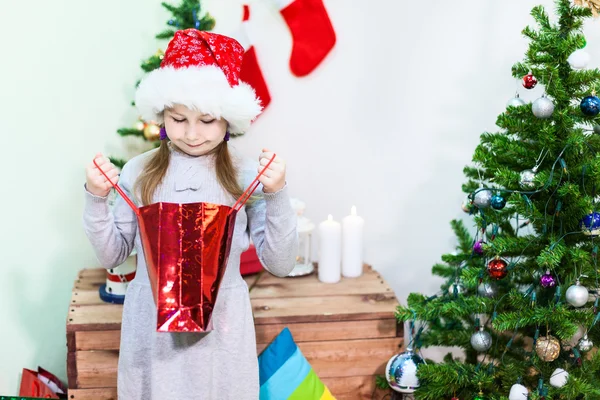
521	292
188	14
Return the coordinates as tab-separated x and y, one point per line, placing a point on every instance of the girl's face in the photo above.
193	132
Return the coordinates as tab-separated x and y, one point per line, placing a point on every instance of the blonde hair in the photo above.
156	168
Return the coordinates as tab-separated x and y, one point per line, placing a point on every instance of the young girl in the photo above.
197	95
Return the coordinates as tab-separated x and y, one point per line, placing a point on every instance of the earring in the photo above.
226	138
163	133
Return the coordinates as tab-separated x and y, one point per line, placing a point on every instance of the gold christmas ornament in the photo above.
593	5
547	348
152	132
160	54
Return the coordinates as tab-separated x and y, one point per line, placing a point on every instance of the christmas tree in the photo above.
520	297
188	14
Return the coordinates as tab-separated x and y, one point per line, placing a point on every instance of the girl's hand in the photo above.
96	183
273	179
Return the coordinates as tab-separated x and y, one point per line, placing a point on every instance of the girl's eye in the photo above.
178	120
209	122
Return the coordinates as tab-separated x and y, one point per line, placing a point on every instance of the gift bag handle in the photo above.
120	191
253	186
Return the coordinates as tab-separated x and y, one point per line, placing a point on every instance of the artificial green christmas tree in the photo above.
188	14
520	296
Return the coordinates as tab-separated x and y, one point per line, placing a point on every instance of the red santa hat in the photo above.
200	70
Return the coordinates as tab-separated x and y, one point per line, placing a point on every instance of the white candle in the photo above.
352	245
330	247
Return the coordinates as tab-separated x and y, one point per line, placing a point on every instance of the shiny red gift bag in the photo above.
32	385
186	247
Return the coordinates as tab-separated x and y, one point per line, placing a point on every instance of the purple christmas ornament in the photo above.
548	280
478	247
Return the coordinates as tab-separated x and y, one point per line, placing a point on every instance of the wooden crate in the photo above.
347	331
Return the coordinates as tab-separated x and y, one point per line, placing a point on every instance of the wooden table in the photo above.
347	331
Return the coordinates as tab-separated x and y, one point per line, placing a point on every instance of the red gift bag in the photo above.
41	384
186	247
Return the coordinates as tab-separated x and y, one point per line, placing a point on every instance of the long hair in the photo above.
156	168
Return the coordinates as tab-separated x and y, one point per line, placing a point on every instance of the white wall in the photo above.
386	123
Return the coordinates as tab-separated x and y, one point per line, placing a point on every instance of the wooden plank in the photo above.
327	308
354	387
86	297
348	357
96	369
270	286
92	274
72	370
322	331
93	394
97	340
101	317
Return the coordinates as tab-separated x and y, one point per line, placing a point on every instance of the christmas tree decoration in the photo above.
516	101
482	198
401	371
590	106
456	288
497	202
526	179
547	280
478	247
529	81
312	33
480	396
497	269
579	59
585	344
559	378
518	392
487	289
481	340
590	224
152	132
547	348
543	107
577	295
140	125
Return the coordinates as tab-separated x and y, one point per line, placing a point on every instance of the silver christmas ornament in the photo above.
526	179
518	392
579	59
457	288
515	101
401	371
481	341
577	295
543	107
482	198
585	344
559	378
487	289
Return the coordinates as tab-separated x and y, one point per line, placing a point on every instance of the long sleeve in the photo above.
272	224
111	234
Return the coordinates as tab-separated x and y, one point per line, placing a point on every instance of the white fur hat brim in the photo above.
204	89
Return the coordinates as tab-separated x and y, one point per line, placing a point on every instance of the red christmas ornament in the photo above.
529	81
497	268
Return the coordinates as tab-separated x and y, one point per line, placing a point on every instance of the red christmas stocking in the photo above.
312	32
251	72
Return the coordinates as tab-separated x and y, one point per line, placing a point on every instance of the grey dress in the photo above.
221	364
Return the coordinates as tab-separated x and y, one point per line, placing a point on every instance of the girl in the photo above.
197	96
